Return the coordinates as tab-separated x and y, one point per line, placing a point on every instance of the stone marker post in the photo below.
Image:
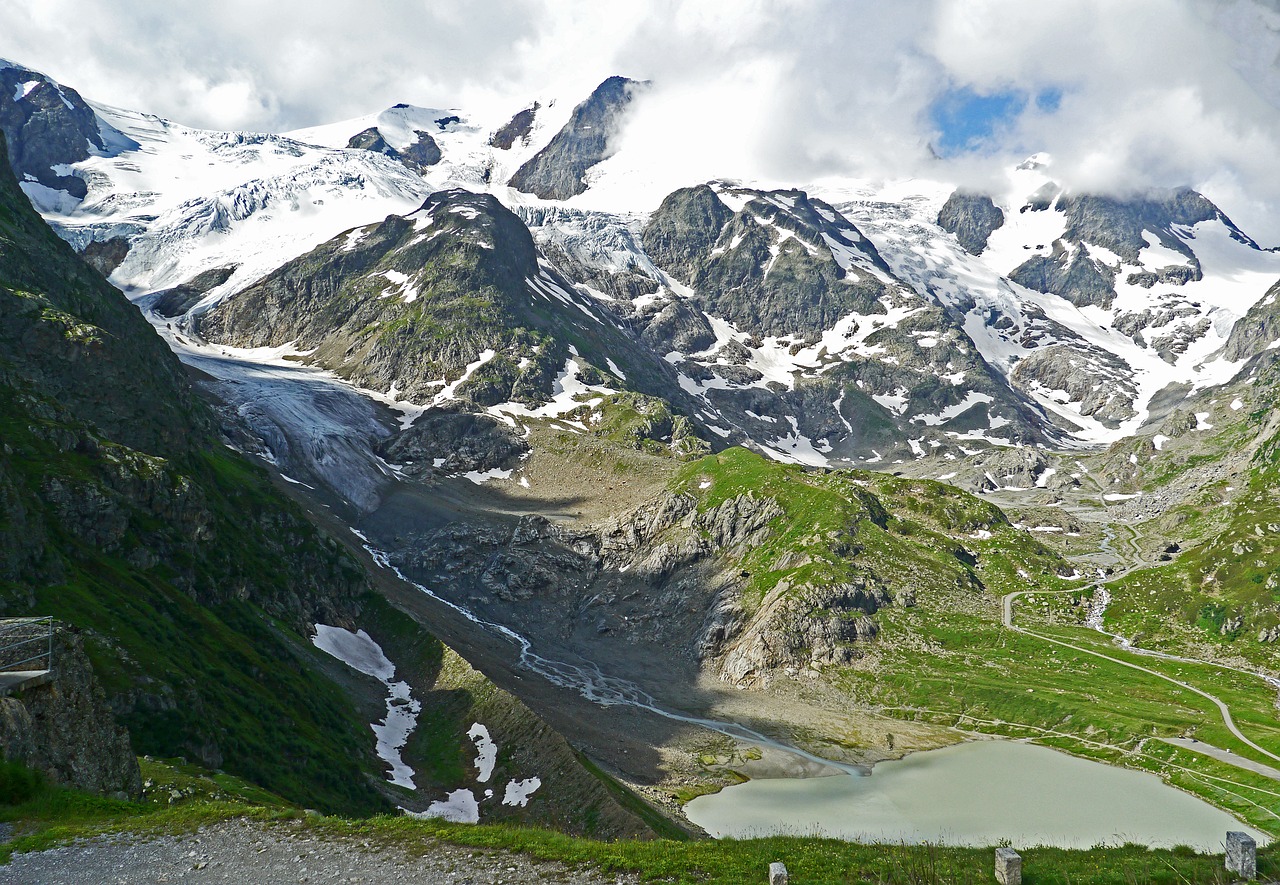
777	873
1008	867
1242	855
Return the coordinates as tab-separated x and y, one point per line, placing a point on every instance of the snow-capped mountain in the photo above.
850	322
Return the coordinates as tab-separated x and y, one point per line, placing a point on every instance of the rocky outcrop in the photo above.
454	442
803	627
47	127
557	171
1070	273
105	256
515	129
66	729
181	298
1257	330
972	218
786	264
418	156
1121	224
1103	384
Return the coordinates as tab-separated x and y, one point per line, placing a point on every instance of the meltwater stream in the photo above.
979	793
970	794
595	686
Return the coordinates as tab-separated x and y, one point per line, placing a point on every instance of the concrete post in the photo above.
1242	855
1008	867
777	873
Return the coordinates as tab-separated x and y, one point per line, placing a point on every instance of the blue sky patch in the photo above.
966	119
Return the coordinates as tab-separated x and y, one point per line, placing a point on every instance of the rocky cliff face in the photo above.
125	515
66	729
1120	227
972	218
1257	330
744	568
47	126
557	171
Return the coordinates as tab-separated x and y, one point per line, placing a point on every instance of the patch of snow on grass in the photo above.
517	793
486	751
1202	422
459	807
360	652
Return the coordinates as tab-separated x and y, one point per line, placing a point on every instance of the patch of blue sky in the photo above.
968	121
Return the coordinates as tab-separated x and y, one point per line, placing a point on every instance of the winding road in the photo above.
1010	598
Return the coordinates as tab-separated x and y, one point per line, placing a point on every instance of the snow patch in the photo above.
517	793
486	751
361	653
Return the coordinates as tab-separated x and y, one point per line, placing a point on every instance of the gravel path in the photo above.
243	852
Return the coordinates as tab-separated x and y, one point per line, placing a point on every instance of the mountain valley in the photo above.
652	492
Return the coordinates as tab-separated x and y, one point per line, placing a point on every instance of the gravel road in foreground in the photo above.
248	853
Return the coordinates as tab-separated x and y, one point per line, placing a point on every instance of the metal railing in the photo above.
26	644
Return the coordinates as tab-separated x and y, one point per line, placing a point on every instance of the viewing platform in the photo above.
26	653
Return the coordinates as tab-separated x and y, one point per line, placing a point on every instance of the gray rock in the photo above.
515	129
181	298
1257	330
1008	867
418	156
65	728
769	268
1101	382
46	125
1242	855
459	441
972	218
1070	273
556	172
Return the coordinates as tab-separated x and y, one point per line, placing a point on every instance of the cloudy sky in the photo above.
1122	93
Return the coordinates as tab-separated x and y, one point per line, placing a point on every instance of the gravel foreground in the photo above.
243	852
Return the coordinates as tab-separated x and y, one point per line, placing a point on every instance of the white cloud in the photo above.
1155	92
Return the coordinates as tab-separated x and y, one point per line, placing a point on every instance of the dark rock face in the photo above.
1120	225
46	125
418	156
1257	330
556	172
105	256
1102	383
1071	273
770	268
181	298
972	218
455	442
685	228
66	729
515	129
463	292
371	140
422	153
